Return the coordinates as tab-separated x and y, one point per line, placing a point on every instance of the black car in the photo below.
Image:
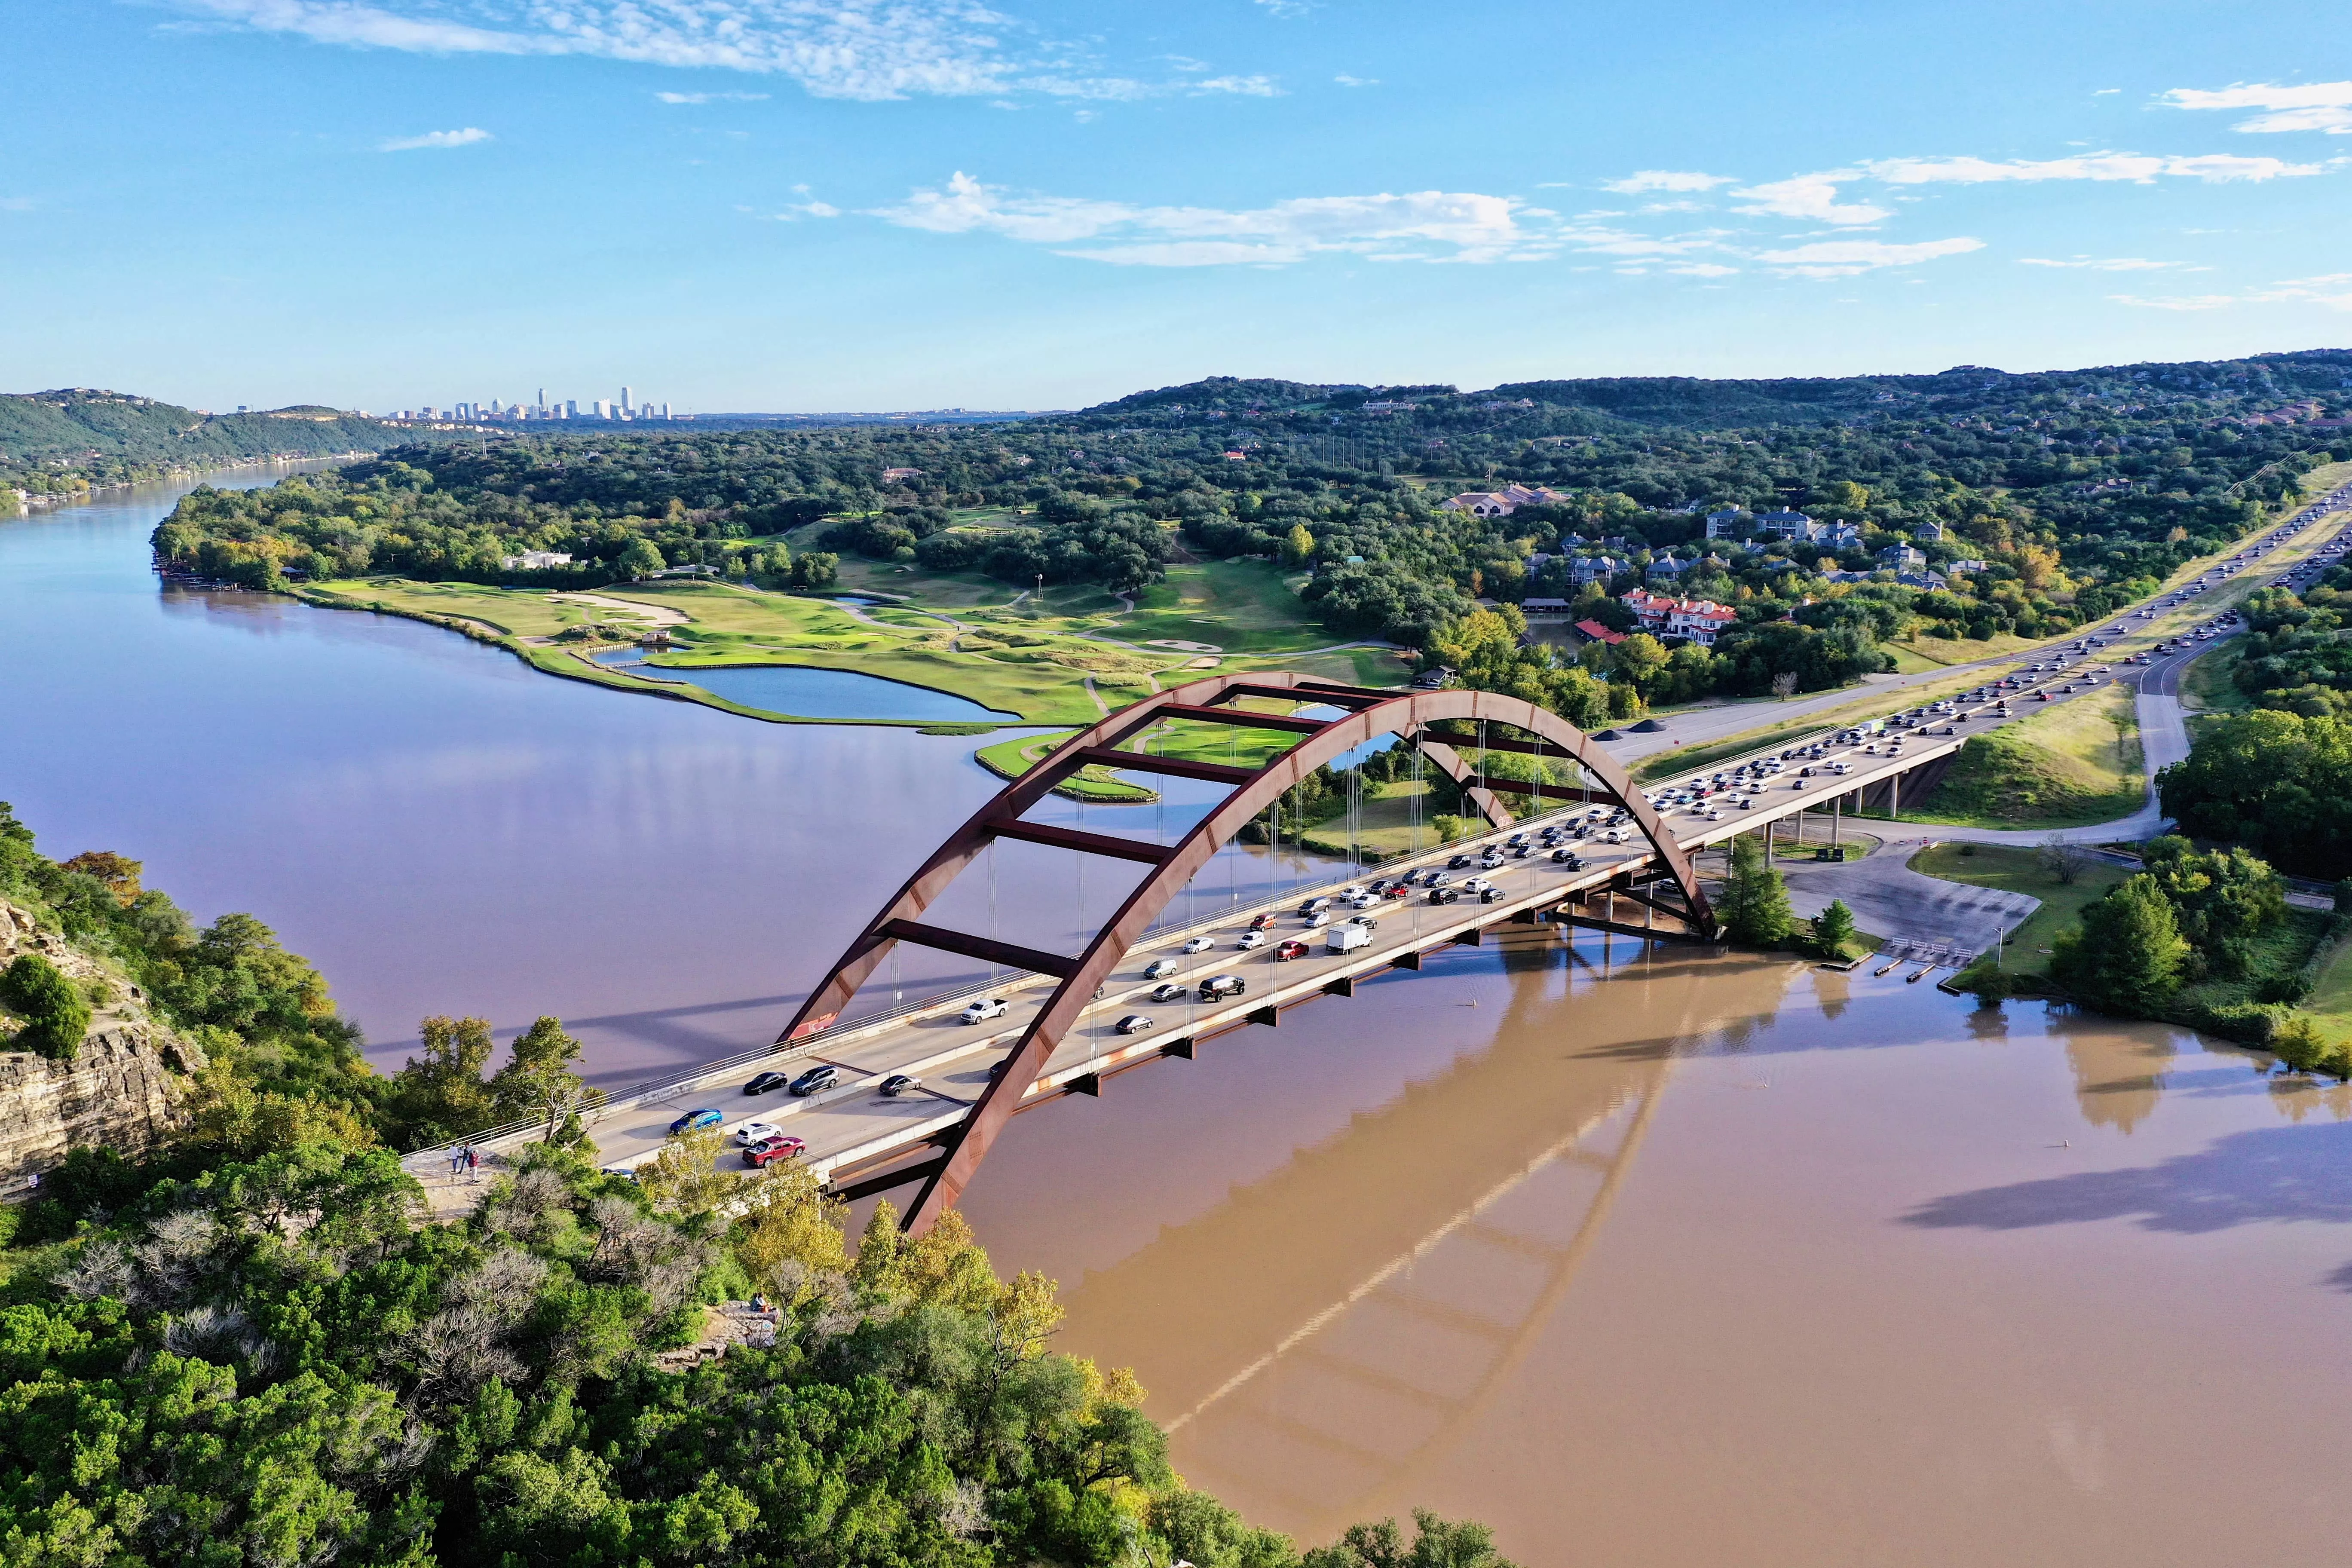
764	1083
1490	895
1219	986
1445	894
1167	994
816	1080
1133	1024
1523	851
1457	863
898	1083
1567	858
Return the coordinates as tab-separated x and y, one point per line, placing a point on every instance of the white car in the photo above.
981	1012
1197	944
1477	885
1318	919
753	1133
1251	939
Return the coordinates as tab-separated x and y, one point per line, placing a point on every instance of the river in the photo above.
1644	1256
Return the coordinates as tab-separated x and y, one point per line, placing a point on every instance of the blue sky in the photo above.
820	205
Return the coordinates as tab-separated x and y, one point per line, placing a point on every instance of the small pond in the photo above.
810	693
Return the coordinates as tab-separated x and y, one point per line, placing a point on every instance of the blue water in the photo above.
809	693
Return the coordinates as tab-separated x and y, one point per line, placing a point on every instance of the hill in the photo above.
71	437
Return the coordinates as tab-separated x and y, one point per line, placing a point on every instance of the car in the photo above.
1490	895
1445	894
771	1149
1400	891
1259	923
694	1122
1477	885
1291	949
1251	939
1218	986
1567	858
899	1083
621	1173
1361	901
1365	922
1318	919
1438	879
762	1083
1197	944
1133	1024
1457	863
817	1080
757	1132
980	1012
1523	851
1172	991
1160	968
1379	886
1311	905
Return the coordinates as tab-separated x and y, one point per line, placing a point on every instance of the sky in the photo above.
838	204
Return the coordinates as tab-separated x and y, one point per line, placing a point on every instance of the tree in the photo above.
1754	907
2062	861
1833	929
815	569
1436	1544
640	560
2126	957
56	1013
1297	546
537	1079
442	1096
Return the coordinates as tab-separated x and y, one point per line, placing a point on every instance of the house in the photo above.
1785	524
1698	620
536	560
1587	570
891	476
1928	580
1432	677
1728	522
1236	456
1928	532
1666	566
1971	564
1389	407
1503	503
1901	558
1840	536
1593	631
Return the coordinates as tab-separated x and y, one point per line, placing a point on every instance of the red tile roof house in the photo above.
1662	614
1595	632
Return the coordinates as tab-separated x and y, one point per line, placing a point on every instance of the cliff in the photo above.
126	1090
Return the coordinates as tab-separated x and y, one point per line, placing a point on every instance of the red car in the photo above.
1401	891
768	1151
1293	949
1261	922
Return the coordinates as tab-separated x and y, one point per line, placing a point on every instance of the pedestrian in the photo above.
472	1166
457	1161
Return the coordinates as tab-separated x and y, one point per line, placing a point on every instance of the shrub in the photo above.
56	1013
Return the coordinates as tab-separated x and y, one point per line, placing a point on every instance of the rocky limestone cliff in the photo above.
127	1089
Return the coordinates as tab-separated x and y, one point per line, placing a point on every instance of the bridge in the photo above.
1133	992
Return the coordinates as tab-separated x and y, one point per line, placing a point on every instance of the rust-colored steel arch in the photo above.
1366	715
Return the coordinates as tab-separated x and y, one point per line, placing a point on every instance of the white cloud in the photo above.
833	48
1287	7
2212	167
799	210
2178	302
710	97
1702	270
1245	86
1664	180
1845	258
2334	290
1346	81
466	137
2325	105
2109	264
1812	197
1425	226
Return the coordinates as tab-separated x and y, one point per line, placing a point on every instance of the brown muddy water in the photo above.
1667	1258
1642	1255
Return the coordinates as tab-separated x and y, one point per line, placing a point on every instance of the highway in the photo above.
852	1128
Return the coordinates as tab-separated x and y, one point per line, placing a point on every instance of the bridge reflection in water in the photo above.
1341	1321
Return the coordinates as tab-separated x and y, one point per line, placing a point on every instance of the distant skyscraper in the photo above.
665	410
628	401
572	408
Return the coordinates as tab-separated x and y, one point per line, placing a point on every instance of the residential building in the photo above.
1726	523
1586	570
1929	580
1901	558
1666	567
891	476
1503	503
1696	620
1593	631
1785	524
1840	535
536	560
1971	564
1928	532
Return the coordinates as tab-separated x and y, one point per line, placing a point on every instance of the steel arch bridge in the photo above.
1363	715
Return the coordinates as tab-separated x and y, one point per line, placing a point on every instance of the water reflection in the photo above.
2119	1077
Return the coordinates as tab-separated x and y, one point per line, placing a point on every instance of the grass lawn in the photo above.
515	613
2020	871
2078	763
2210	685
1910	661
1964	650
1240	607
2331	1000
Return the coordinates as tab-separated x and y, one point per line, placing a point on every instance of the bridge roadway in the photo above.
853	1130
